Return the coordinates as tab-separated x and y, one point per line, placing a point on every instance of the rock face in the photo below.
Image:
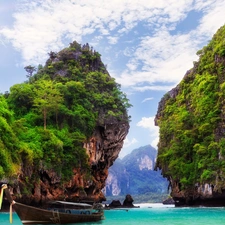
115	204
127	203
135	174
191	120
103	148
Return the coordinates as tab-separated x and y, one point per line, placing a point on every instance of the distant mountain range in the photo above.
135	174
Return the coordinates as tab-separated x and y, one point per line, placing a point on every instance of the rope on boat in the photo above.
4	186
10	211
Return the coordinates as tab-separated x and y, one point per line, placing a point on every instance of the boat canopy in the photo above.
71	203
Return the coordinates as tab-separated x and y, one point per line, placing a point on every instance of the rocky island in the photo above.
62	129
191	118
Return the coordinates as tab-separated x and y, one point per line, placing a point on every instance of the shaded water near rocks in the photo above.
155	214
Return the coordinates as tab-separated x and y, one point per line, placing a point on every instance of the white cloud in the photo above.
159	56
147	99
153	88
164	57
154	142
148	123
212	18
128	143
132	66
112	40
127	146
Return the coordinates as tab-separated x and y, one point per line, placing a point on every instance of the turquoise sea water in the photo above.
151	214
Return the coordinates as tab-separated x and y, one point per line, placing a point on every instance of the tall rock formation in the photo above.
191	118
103	149
70	121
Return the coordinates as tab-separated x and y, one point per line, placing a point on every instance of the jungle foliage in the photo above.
191	149
45	120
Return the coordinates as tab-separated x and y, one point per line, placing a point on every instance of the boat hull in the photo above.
33	215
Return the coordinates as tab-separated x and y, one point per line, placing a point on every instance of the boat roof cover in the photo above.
71	203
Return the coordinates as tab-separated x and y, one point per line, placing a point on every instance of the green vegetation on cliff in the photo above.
45	121
191	118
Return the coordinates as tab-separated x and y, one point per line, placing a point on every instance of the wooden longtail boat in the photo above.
59	212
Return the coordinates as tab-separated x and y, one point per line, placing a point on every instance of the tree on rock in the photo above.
47	98
30	69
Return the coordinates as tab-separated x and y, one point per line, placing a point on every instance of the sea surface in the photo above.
151	214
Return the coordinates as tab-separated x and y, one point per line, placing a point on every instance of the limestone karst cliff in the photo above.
63	128
135	174
191	121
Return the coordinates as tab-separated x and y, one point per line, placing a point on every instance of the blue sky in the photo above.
147	45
